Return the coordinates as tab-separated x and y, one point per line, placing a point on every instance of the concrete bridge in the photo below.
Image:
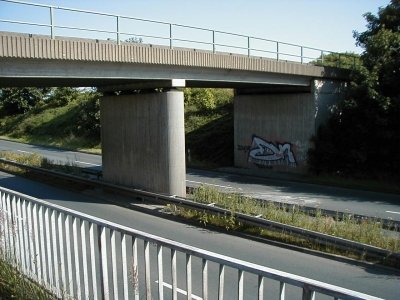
278	104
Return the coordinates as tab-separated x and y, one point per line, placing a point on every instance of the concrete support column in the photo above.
143	141
273	127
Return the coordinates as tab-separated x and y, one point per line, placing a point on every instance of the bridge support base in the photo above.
143	141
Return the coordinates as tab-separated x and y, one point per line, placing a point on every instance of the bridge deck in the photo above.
36	60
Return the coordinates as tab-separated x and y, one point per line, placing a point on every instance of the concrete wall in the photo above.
143	141
273	130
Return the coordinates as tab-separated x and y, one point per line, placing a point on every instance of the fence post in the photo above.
308	294
282	289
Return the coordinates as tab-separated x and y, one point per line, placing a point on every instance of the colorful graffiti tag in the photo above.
266	153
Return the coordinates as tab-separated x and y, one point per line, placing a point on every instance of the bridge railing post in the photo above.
301	54
277	50
213	40
170	36
248	46
52	22
118	35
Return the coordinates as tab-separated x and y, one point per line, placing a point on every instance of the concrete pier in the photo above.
273	126
143	141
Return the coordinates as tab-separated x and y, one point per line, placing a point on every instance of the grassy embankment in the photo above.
49	126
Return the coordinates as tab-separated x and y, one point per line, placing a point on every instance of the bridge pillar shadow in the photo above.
143	141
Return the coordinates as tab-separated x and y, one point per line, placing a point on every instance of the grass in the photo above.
49	126
368	231
13	284
35	160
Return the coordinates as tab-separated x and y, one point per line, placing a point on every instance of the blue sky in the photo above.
321	24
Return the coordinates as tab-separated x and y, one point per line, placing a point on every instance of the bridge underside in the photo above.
114	76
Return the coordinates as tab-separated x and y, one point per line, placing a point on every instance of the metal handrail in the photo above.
29	225
173	38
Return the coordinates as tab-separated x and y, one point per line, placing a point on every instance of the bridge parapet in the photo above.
25	46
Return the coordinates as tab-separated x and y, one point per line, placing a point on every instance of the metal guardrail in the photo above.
317	237
214	41
77	255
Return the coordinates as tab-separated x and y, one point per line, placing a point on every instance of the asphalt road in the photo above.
380	205
374	280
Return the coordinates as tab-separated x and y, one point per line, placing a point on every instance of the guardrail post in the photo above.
205	279
260	287
170	36
282	289
213	40
277	50
188	276
301	54
248	46
118	36
52	22
240	284
308	294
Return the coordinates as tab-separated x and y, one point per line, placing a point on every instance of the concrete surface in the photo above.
28	60
273	130
143	141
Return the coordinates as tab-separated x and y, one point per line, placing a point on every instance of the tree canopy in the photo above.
362	136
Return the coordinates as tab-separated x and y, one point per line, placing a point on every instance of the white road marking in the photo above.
217	185
393	212
180	291
86	163
22	151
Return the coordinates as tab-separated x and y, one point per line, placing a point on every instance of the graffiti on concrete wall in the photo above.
266	153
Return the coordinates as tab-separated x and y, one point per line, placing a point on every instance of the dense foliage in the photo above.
20	100
50	114
362	137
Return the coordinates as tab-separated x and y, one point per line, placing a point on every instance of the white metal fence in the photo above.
80	256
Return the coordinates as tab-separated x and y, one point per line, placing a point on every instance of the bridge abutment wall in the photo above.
273	128
143	141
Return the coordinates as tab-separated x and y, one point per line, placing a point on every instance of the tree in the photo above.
20	100
362	136
345	60
62	96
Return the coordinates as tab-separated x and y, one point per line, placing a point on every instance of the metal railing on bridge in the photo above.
75	255
163	33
